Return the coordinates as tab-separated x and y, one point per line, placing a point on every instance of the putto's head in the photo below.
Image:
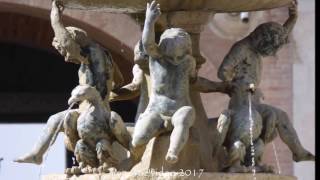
77	37
175	42
268	38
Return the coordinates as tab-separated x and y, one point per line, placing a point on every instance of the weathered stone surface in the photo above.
154	156
242	66
169	5
171	67
275	72
168	175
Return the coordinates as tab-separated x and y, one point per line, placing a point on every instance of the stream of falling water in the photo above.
53	139
276	156
251	139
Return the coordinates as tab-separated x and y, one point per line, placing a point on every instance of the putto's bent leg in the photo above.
287	133
289	136
70	129
41	146
148	126
236	155
182	120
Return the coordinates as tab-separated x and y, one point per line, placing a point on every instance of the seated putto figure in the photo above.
97	69
171	69
241	67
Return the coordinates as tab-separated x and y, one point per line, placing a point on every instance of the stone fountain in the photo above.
198	147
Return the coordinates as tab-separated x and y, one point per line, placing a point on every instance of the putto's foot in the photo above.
88	170
95	171
106	169
262	169
29	158
304	156
171	157
75	170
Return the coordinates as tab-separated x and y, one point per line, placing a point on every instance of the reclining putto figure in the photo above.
171	68
97	69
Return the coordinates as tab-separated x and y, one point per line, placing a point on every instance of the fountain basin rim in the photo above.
138	6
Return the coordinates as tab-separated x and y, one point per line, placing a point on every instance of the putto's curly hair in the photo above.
267	38
79	35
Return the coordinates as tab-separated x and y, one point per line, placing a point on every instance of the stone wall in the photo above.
304	85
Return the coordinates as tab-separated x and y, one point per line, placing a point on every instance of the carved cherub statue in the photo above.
171	68
140	84
97	69
241	67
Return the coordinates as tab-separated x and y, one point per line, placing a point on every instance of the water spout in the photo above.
244	16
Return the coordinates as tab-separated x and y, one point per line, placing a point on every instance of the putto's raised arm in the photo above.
67	45
293	15
148	35
131	90
55	16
